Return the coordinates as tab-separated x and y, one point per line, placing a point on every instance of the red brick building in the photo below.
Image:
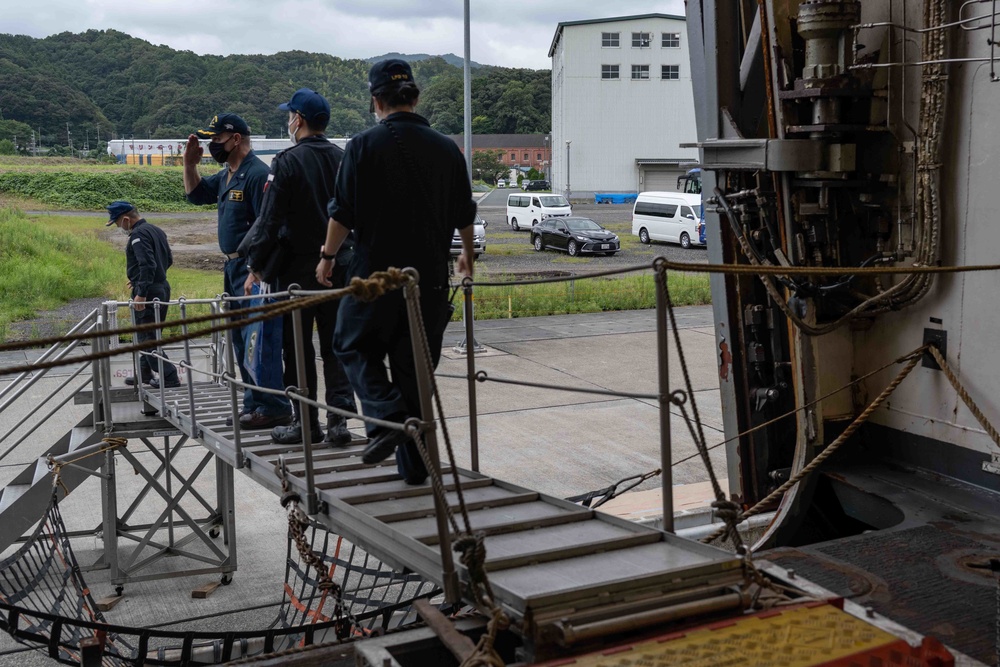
518	150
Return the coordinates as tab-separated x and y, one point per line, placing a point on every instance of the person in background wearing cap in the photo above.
238	189
293	225
403	189
148	257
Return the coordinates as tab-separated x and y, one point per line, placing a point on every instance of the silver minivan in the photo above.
524	210
668	216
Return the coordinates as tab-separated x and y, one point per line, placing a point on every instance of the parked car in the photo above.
668	216
576	236
501	183
525	211
537	185
525	183
478	239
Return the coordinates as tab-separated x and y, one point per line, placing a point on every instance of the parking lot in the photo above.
510	253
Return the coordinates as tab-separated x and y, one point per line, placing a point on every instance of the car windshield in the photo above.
583	225
554	200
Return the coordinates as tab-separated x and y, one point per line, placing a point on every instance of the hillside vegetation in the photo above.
127	86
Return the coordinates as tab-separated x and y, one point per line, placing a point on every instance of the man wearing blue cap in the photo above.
283	252
238	189
148	257
402	190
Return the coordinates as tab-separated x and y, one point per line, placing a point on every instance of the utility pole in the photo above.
69	138
468	94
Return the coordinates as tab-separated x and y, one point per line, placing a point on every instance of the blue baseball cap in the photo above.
117	209
309	103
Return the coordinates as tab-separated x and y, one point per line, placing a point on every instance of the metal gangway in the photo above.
562	573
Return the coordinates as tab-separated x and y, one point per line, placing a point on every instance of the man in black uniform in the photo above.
148	257
403	189
238	189
288	238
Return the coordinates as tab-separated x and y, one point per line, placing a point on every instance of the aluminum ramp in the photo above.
549	560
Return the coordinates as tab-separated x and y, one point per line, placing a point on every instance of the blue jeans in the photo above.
269	405
366	334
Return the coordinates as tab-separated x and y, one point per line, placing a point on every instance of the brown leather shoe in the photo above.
254	421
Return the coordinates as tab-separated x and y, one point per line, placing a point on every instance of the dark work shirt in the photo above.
293	213
148	257
239	199
404	212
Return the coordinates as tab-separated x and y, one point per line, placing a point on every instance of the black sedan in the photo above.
574	235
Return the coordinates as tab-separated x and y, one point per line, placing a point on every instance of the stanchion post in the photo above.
109	421
135	355
470	360
423	368
304	422
663	369
231	372
187	360
159	355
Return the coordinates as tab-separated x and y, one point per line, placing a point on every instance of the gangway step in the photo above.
548	558
11	493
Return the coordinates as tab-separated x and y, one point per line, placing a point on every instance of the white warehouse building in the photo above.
622	102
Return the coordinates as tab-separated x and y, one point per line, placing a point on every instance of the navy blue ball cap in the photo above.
309	103
116	209
225	122
388	71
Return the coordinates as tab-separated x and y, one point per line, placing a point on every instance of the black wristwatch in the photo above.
329	258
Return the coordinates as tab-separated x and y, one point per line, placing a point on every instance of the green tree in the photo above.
487	165
7	147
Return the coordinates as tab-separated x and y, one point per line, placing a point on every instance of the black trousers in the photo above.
149	365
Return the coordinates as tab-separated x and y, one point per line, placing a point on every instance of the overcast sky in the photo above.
511	33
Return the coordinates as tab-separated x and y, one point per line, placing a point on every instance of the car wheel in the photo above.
513	224
685	240
478	255
643	236
572	249
539	246
609	254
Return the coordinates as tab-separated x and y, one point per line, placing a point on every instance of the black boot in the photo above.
336	431
292	434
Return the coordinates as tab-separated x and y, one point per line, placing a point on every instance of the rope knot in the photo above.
731	514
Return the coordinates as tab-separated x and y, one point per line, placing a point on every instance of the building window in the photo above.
525	156
539	158
640	72
641	40
671	40
513	156
610	39
670	72
609	71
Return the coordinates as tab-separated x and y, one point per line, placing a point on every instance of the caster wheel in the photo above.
119	590
227	579
214	532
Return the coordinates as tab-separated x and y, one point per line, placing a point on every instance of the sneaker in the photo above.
155	384
130	381
255	421
384	446
336	431
292	433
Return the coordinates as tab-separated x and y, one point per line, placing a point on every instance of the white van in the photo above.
526	210
668	216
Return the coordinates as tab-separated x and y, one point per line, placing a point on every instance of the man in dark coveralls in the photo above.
148	257
287	240
403	189
238	189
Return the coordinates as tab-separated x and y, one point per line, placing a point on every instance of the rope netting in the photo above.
45	604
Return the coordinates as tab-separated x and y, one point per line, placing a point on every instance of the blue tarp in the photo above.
615	198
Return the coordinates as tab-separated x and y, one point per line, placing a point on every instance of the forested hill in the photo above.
125	85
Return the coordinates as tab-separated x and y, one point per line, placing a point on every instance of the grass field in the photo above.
48	261
62	184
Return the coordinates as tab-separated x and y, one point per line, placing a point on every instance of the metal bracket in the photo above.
755	154
939	338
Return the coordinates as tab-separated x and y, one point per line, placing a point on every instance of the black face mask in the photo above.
218	151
